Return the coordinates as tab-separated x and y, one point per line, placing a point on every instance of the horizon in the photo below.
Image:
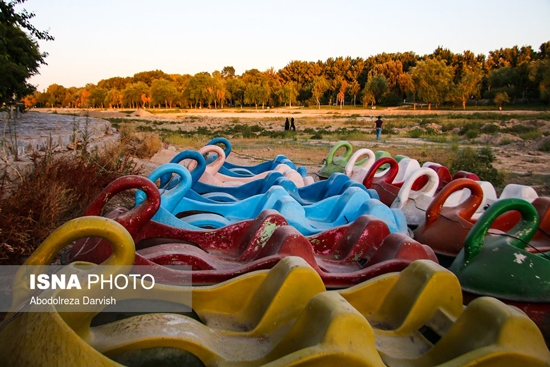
187	38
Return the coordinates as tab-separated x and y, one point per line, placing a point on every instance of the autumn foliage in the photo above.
440	77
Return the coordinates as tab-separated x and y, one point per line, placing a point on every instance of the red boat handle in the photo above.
388	177
465	209
138	216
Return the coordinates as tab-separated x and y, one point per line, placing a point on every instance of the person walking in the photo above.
287	125
292	126
378	123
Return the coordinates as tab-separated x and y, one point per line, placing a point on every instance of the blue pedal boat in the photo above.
180	211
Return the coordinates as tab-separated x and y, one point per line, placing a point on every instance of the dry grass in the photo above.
140	144
440	153
59	189
196	142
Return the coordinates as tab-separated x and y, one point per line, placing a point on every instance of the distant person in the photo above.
378	123
292	126
287	125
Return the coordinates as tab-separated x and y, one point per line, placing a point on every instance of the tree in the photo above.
70	98
132	93
19	53
235	88
83	98
145	99
252	94
58	93
375	89
197	88
30	100
264	92
355	88
319	88
148	77
368	97
468	85
163	91
502	98
406	84
392	71
272	81
289	92
540	75
42	99
544	85
97	97
342	94
114	98
500	80
228	72
432	80
115	83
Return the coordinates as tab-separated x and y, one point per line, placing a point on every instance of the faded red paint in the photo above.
221	254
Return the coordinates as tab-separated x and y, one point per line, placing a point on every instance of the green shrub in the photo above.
416	133
519	129
530	135
545	147
388	129
390	99
448	127
438	138
476	126
490	129
505	141
478	162
317	136
202	130
472	134
144	128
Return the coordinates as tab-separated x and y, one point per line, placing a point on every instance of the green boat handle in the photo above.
523	231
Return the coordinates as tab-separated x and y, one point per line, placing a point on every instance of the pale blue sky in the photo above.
100	39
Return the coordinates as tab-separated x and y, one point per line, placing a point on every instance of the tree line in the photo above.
516	74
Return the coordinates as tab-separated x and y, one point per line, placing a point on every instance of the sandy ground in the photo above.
295	112
521	160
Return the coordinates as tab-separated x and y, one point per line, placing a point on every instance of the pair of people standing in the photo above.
290	126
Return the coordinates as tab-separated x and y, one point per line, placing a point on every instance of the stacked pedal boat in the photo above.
266	292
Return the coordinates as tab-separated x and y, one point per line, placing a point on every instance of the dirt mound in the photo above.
536	144
498	139
539	124
141	113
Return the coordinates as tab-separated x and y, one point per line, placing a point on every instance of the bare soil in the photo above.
521	160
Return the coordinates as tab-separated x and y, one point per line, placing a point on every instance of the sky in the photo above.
101	39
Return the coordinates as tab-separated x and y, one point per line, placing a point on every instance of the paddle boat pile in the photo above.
285	271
